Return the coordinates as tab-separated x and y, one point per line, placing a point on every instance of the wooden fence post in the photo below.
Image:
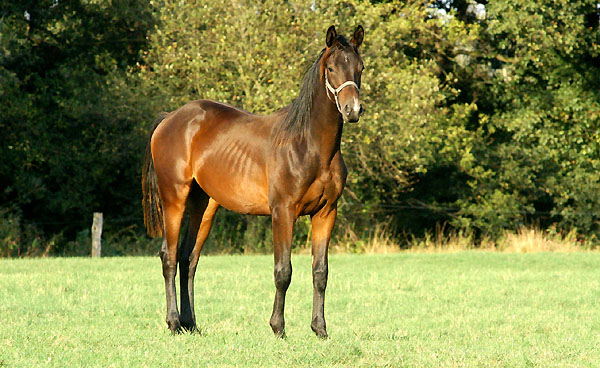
97	234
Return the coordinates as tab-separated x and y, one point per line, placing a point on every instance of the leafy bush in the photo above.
479	117
10	233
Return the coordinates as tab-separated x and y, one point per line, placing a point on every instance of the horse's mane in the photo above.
297	121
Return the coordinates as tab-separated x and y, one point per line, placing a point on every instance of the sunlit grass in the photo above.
404	309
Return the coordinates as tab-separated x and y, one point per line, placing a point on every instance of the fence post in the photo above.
97	234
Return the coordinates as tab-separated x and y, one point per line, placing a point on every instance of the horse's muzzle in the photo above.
353	112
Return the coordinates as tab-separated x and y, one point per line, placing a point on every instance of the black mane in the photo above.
297	120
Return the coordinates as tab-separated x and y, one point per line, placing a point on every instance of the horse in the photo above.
208	154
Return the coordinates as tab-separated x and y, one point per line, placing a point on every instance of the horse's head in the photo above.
342	68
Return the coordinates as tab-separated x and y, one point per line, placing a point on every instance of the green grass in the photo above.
462	309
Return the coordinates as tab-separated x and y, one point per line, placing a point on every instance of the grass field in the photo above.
460	309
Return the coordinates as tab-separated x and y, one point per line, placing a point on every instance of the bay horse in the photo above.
288	164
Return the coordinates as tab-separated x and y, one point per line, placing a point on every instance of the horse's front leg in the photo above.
322	225
283	218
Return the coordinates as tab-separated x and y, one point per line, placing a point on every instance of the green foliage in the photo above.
484	121
19	239
10	233
538	151
71	142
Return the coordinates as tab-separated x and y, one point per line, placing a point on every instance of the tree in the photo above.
68	145
537	156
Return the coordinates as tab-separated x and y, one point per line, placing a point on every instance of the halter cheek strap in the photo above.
336	91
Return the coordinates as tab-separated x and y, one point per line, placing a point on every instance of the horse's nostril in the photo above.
347	109
361	110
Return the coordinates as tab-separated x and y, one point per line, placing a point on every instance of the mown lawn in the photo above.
460	309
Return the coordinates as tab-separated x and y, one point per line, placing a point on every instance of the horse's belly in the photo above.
242	192
245	206
245	199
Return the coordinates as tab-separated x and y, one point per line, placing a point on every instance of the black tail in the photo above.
153	217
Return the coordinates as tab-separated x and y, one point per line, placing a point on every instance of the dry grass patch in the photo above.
524	240
378	240
530	240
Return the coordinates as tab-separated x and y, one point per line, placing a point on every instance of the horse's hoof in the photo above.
320	331
280	334
192	329
322	334
174	326
278	326
188	325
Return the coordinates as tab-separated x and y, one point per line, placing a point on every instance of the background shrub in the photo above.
480	116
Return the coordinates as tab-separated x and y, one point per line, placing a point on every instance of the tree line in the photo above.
480	115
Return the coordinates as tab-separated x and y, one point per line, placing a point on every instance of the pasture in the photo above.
459	309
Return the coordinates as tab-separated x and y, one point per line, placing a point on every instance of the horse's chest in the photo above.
323	191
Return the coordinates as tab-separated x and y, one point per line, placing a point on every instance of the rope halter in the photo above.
336	91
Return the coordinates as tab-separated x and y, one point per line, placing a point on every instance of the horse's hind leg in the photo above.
173	204
201	210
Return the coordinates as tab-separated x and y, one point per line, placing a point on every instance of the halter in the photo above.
336	91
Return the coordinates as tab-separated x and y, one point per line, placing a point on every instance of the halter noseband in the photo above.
336	91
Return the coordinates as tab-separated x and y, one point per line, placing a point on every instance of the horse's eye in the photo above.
330	69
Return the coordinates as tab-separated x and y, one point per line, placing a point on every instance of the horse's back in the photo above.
224	149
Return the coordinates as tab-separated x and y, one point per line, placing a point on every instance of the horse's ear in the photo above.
357	37
331	36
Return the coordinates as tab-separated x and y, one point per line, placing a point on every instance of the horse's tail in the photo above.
153	217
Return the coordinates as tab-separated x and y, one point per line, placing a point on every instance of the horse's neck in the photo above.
325	131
